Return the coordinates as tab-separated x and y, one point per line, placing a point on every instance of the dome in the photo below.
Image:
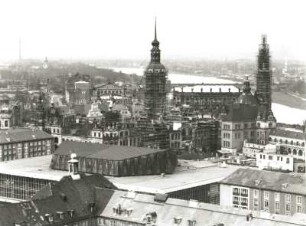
154	66
247	98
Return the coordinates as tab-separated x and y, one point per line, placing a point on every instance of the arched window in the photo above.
303	144
289	151
6	123
286	141
291	142
300	153
294	152
281	141
275	140
297	143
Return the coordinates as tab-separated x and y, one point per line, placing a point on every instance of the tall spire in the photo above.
155	33
155	51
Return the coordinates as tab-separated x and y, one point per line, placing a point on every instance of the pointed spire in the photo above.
155	33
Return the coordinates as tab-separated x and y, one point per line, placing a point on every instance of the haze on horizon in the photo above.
123	29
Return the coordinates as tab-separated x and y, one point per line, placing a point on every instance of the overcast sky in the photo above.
225	29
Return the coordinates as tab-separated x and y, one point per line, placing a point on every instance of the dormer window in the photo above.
177	220
191	222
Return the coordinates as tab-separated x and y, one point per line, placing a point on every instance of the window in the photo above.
299	209
299	199
288	198
276	197
277	205
288	207
287	160
266	205
266	195
256	193
270	157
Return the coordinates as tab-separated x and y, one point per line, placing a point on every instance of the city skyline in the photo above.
124	29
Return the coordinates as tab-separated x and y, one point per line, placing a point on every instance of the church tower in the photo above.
155	83
266	121
264	80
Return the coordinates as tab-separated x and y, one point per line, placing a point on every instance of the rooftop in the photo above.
207	88
282	182
22	134
36	167
61	203
103	151
164	213
187	174
294	134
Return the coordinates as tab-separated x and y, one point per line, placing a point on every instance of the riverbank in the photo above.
289	100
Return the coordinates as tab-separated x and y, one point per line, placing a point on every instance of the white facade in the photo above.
274	162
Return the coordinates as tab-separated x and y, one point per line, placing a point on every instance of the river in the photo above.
282	113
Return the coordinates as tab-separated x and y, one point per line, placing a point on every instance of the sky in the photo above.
123	29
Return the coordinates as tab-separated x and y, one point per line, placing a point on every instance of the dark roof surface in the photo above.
64	196
261	179
22	134
103	151
241	112
288	134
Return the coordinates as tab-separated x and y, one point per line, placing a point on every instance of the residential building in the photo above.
24	143
273	192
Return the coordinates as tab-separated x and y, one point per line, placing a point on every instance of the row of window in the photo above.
287	142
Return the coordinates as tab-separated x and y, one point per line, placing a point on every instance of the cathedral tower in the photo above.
266	121
155	83
264	80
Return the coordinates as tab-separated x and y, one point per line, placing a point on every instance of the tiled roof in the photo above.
22	134
267	180
103	151
164	214
64	196
288	134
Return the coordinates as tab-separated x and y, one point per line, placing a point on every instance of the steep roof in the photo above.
267	180
103	151
241	112
166	211
22	134
62	197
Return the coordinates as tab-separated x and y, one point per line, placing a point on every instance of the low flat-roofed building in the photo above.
273	192
22	178
126	208
24	143
191	180
115	160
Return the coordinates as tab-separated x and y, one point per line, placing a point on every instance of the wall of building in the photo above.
264	200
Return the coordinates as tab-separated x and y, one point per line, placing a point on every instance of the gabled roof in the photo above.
62	197
267	180
103	151
165	212
22	134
